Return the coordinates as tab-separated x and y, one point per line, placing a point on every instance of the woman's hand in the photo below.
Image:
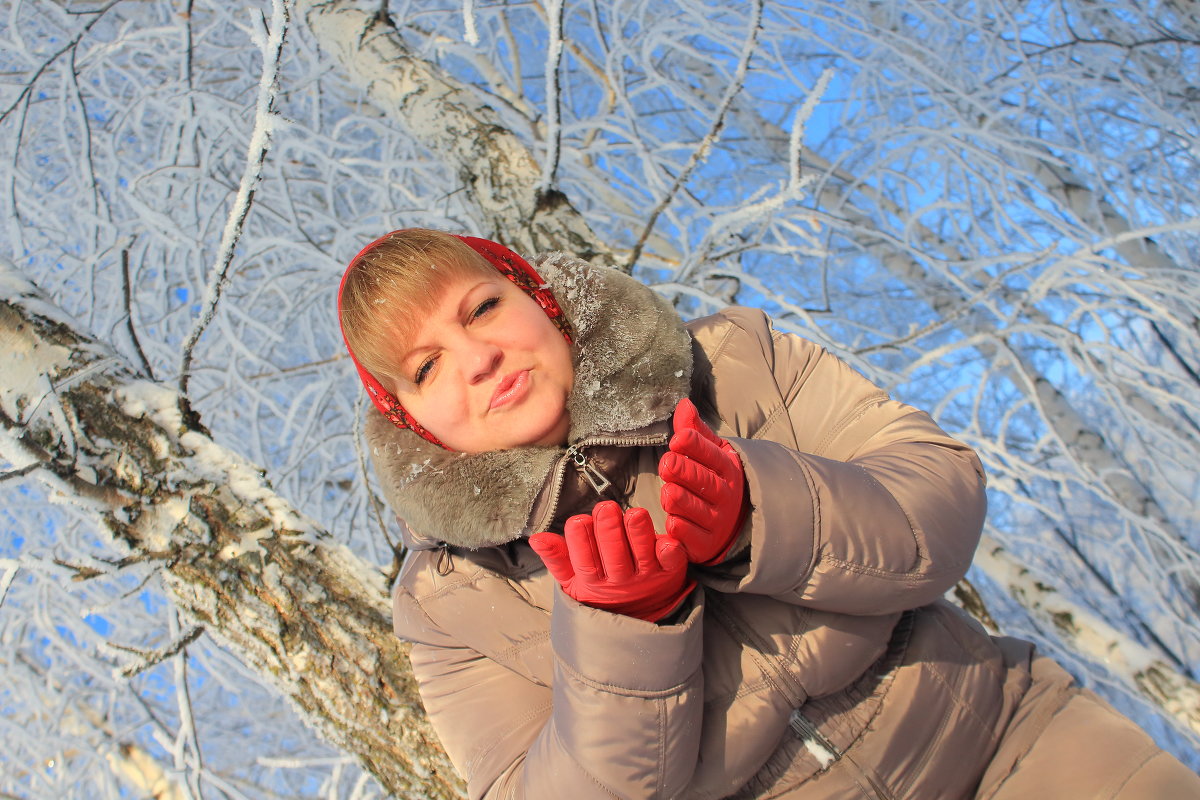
616	562
704	488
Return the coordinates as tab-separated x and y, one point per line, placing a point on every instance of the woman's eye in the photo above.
423	371
485	307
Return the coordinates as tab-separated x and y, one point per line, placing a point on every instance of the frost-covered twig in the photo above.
701	151
800	123
133	337
377	509
152	658
186	752
470	33
70	45
11	567
753	208
256	154
19	472
554	48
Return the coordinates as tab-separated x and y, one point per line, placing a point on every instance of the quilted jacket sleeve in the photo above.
861	504
616	714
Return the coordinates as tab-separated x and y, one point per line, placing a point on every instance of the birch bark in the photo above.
501	175
237	558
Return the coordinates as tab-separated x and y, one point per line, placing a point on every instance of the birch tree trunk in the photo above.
237	558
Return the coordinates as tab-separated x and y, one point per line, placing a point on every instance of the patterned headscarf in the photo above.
508	264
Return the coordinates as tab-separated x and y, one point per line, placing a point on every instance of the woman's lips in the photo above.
511	388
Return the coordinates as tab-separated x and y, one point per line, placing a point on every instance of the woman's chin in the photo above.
515	436
539	436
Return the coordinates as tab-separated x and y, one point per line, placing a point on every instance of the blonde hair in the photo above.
391	283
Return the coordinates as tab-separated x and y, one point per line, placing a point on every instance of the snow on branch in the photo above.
256	154
702	150
470	33
1084	632
149	658
238	559
448	117
554	49
762	204
66	49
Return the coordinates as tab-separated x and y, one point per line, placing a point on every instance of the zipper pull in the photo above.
593	476
445	562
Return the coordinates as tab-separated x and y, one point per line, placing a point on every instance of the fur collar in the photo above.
633	364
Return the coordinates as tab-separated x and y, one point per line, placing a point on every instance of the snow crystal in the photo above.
143	399
272	577
250	542
25	362
300	661
160	521
13	283
15	453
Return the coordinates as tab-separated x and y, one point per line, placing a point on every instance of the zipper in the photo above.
825	751
595	478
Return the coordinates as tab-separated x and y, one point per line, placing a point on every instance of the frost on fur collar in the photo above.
633	364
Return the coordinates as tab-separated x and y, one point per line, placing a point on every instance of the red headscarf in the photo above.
508	264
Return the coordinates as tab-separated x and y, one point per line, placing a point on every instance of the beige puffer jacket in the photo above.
817	661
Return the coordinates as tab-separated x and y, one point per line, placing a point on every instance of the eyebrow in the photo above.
464	304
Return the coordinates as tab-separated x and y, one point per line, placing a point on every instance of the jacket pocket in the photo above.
819	754
807	755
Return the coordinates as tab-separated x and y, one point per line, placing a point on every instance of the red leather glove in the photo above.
704	488
616	562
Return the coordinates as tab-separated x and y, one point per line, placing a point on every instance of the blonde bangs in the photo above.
389	288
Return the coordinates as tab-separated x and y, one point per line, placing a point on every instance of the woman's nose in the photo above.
482	360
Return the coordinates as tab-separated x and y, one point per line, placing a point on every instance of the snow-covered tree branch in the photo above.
263	580
501	174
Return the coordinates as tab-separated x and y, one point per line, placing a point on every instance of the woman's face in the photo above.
486	369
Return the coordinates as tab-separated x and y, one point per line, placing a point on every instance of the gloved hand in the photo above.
704	488
616	562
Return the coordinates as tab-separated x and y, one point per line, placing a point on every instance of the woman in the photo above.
746	601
